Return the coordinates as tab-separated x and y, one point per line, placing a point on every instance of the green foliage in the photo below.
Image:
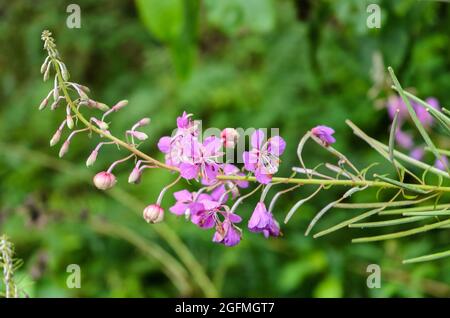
244	64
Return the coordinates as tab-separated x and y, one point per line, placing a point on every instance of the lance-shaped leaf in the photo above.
330	206
429	257
395	235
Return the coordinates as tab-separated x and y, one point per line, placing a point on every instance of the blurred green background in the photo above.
239	63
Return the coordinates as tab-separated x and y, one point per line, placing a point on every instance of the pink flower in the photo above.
185	204
263	221
227	233
201	159
324	133
104	180
263	160
153	213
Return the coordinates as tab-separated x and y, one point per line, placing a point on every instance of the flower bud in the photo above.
120	105
47	72
69	121
153	213
64	148
98	105
137	134
55	138
91	159
104	180
144	122
135	175
101	124
229	137
43	104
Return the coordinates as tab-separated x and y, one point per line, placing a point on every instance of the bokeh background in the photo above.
239	63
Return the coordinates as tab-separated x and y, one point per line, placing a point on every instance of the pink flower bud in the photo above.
98	105
137	134
101	124
120	105
64	148
153	213
55	138
69	121
229	137
144	122
91	159
104	180
135	175
43	104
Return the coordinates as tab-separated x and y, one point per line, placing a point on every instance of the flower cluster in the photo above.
207	208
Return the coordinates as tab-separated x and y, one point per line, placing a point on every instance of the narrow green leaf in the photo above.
427	213
429	257
395	235
401	184
390	222
413	114
392	138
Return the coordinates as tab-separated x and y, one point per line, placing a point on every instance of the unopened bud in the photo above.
54	104
44	65
144	122
153	213
69	121
64	72
104	180
120	105
55	138
229	137
101	124
135	176
98	105
64	148
137	134
47	72
43	103
91	159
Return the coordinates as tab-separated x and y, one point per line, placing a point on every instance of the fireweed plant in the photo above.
221	184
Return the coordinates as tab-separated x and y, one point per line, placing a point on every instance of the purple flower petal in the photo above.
257	139
164	144
189	171
263	178
276	145
183	196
